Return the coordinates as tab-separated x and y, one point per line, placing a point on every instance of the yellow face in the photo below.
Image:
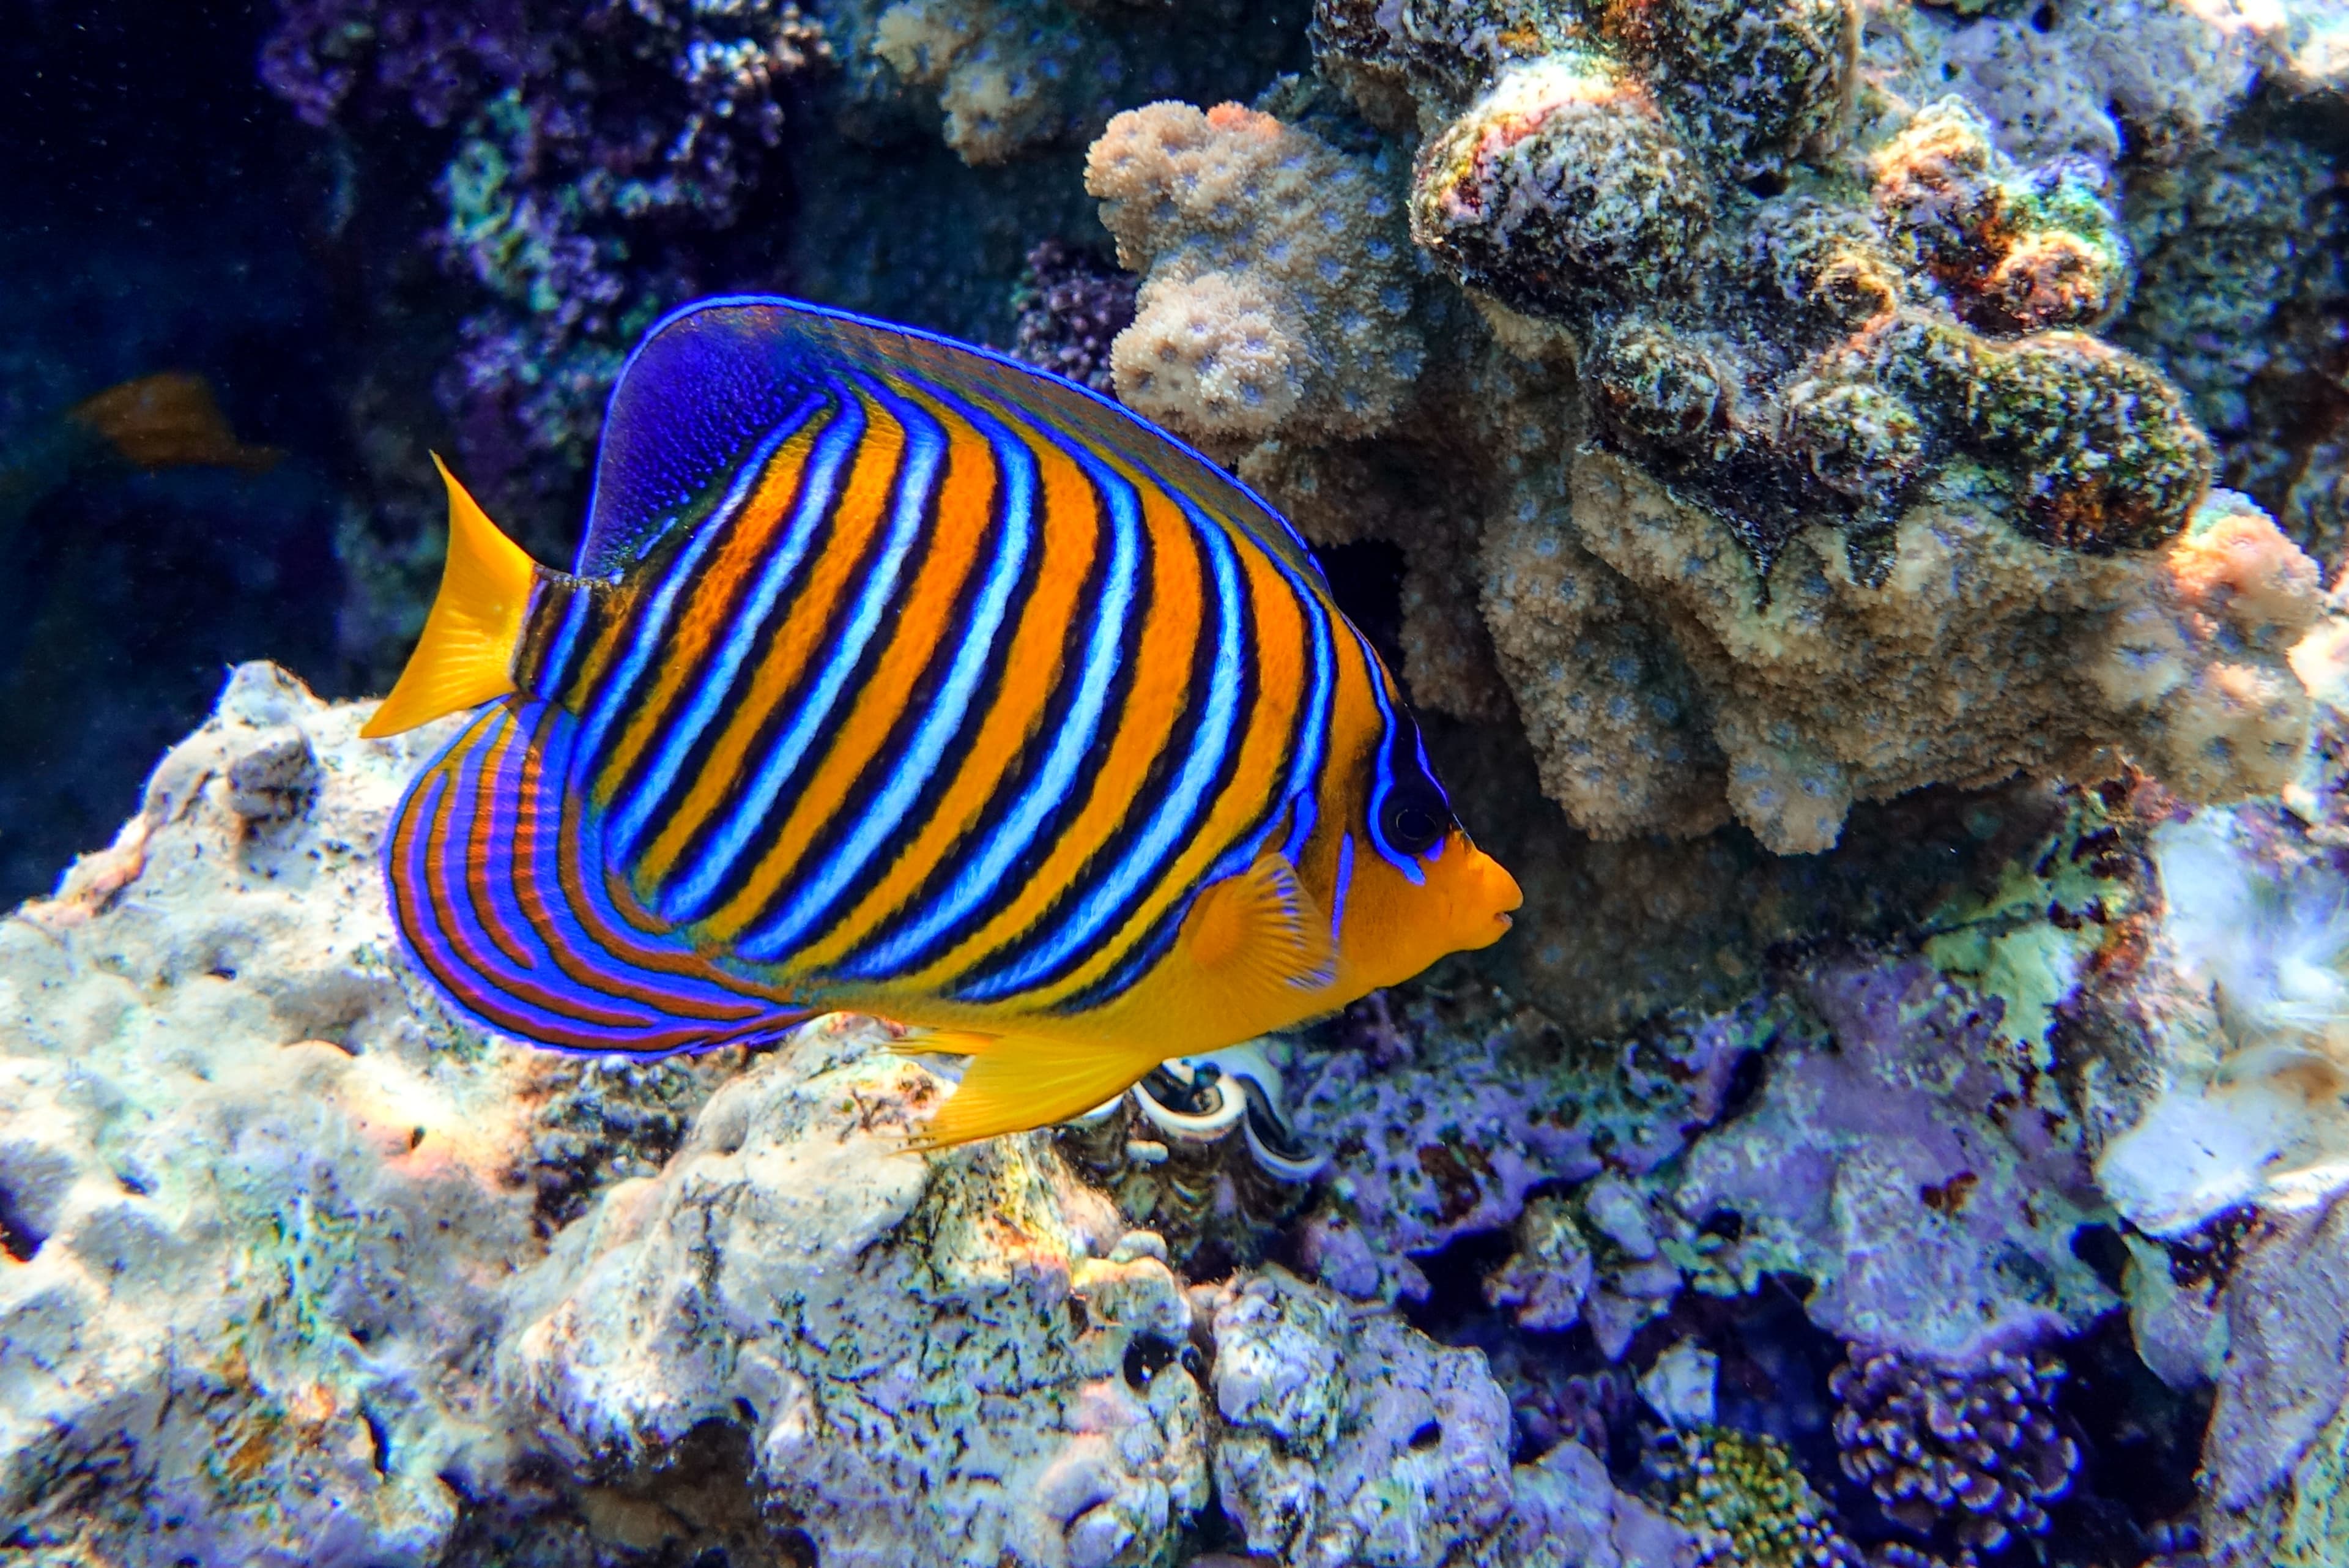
1416	886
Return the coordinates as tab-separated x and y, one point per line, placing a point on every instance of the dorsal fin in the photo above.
714	379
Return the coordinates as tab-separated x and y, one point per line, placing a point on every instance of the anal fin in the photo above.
924	1042
1022	1082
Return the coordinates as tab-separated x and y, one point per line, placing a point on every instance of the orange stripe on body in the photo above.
1278	650
864	503
1139	730
1070	536
709	608
923	632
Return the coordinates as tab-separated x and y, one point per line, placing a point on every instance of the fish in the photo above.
167	419
895	677
170	420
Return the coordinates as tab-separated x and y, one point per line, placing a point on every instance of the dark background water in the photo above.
154	222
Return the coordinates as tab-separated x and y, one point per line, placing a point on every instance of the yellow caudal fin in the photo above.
1260	932
1023	1083
465	657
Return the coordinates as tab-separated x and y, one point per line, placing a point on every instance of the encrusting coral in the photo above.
1011	76
1780	435
2242	295
1280	275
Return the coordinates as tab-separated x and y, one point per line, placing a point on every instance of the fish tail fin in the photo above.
1022	1082
465	657
170	420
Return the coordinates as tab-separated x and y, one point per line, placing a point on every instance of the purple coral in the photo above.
1924	1173
599	143
438	61
1964	1460
1479	1107
1070	305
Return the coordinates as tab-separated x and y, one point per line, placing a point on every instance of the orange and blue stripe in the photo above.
889	666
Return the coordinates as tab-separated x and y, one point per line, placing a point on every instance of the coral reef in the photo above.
1279	275
1490	1105
587	145
1013	76
2277	1451
1791	465
1748	1503
1346	1437
2242	296
1964	1461
1350	1438
278	1285
1923	1119
2239	1015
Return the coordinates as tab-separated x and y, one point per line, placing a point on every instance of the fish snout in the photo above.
1492	895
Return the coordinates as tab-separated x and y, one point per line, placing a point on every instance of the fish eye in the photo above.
1414	818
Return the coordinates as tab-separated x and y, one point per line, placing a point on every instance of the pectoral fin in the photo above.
1260	930
1022	1082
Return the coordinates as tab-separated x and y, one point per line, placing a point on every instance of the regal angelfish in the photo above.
899	678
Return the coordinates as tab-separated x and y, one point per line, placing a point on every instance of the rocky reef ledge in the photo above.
299	1269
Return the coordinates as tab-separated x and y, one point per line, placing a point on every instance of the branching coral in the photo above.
1965	1461
1070	305
592	141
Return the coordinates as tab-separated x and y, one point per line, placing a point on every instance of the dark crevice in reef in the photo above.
1366	579
696	1505
18	1237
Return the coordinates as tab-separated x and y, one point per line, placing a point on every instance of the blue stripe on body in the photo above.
886	810
554	671
632	812
1344	885
1383	785
688	895
985	868
1163	834
652	627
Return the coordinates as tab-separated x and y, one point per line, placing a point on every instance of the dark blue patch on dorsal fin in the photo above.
712	379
